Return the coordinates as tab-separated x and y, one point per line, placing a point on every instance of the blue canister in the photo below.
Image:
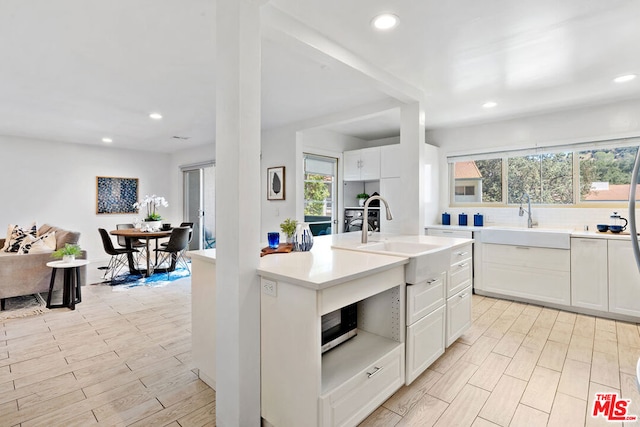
446	219
478	220
462	219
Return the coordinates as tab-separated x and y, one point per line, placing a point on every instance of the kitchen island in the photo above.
300	385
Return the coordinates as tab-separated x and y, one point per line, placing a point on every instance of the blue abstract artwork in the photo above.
116	195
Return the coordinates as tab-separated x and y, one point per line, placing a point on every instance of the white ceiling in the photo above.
77	71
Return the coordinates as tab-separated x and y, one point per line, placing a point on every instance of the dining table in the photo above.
136	233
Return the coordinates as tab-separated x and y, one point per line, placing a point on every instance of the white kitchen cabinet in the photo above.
390	161
450	233
425	343
624	279
423	298
461	271
362	165
538	274
303	387
458	314
589	274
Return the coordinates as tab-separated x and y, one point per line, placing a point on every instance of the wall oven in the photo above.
339	326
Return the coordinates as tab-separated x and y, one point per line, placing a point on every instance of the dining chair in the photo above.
209	239
184	224
175	249
119	256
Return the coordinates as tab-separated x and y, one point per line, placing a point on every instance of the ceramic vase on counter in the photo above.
302	239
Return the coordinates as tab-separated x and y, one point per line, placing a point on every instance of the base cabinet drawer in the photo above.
459	277
458	315
425	343
357	398
425	297
450	233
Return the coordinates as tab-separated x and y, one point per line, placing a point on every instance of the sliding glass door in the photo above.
199	204
320	198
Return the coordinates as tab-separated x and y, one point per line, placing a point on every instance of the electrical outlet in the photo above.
269	287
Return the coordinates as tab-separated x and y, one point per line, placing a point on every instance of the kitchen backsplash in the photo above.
574	218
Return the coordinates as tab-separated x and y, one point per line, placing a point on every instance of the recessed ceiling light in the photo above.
107	140
155	116
489	104
625	78
385	21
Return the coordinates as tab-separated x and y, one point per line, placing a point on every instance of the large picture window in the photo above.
582	174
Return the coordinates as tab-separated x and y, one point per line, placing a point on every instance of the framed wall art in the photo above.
275	183
116	195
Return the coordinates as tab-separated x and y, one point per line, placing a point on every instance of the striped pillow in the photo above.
38	245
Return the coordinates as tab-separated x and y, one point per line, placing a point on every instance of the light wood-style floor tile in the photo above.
381	417
599	421
605	369
407	397
479	351
464	409
450	357
526	416
628	334
503	401
541	389
574	380
425	412
489	373
448	387
561	332
523	363
580	348
509	344
567	412
553	355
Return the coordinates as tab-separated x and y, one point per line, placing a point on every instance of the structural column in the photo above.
237	212
412	146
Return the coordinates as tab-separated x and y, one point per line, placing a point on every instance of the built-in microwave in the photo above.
339	326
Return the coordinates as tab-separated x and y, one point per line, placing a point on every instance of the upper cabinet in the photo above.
390	164
362	165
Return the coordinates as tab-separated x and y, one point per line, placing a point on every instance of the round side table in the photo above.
71	294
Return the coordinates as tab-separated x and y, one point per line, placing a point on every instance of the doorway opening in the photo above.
320	195
199	185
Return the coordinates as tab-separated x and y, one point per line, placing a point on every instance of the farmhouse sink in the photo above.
518	236
425	260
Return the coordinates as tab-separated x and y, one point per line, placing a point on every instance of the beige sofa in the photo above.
29	274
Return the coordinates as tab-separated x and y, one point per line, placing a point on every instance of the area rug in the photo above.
23	306
128	281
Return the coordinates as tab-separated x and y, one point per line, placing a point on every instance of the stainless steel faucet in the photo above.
365	219
528	210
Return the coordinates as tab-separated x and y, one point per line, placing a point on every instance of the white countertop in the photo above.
207	255
573	232
324	266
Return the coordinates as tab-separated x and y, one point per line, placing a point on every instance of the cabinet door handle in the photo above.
375	372
431	281
523	247
463	295
464	264
447	232
462	253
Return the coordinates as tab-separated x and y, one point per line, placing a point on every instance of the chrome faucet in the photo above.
528	210
365	223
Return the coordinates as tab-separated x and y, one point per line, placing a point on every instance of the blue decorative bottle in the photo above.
446	219
462	219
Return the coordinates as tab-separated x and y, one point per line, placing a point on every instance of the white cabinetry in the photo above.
449	233
362	165
459	290
390	161
425	324
589	274
539	274
458	314
303	387
624	279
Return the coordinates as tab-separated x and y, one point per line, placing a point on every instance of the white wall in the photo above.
603	122
55	183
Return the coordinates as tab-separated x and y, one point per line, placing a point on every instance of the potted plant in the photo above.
362	197
67	253
288	227
151	203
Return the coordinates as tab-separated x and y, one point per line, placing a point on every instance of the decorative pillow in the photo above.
38	245
8	238
17	236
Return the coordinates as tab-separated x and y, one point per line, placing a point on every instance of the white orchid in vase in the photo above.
151	203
